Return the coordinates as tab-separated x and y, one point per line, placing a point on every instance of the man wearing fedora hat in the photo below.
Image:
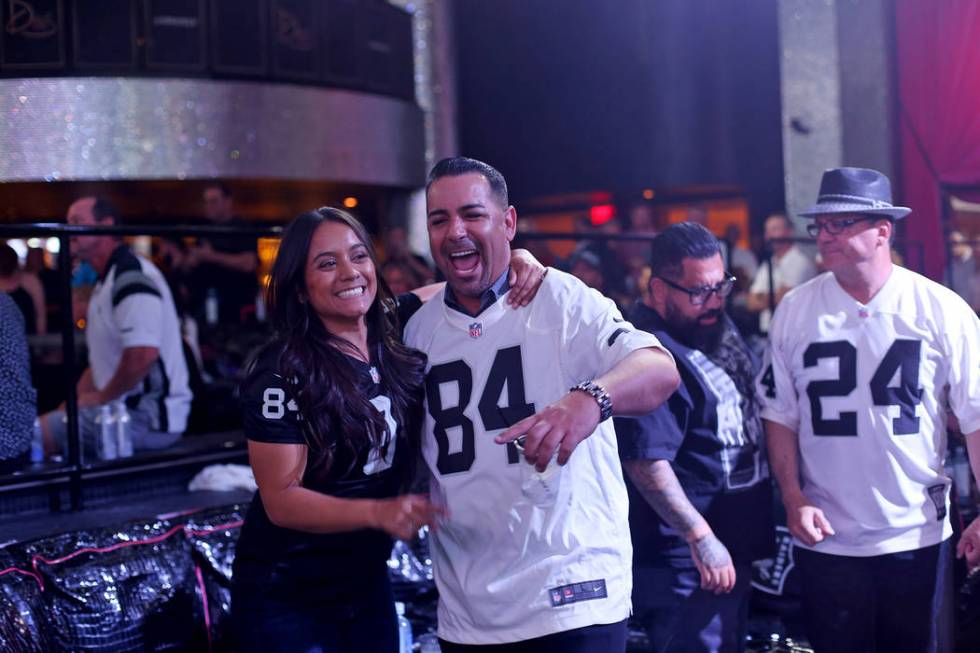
861	364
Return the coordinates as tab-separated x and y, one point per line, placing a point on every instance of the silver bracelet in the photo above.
600	395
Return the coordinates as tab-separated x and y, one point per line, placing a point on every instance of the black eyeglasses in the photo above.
699	296
836	225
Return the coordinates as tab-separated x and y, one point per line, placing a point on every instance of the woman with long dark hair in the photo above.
330	413
327	412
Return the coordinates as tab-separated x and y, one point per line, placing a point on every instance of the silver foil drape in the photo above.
128	128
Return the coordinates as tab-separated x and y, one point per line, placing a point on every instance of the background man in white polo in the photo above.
134	344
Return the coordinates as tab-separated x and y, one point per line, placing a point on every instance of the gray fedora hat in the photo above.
855	190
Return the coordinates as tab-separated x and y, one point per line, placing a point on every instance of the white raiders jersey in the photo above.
866	388
508	567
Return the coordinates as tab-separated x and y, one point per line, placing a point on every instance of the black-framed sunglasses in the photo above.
836	225
699	296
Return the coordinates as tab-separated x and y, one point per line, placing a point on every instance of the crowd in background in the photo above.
215	286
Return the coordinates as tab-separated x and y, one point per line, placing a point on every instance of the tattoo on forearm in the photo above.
658	484
712	552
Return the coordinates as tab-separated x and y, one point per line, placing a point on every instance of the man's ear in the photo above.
658	289
510	222
886	228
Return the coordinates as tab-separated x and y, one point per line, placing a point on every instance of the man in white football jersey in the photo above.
535	554
862	363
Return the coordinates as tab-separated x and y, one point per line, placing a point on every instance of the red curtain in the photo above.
939	114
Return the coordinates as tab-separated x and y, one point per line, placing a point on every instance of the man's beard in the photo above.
690	332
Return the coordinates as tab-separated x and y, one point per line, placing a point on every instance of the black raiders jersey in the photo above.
271	414
711	433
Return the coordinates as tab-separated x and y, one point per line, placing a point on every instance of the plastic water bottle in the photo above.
37	442
124	434
105	427
541	487
429	643
961	475
211	307
404	629
260	310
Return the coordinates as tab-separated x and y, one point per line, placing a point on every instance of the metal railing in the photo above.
75	470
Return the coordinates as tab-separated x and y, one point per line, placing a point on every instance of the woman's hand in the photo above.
526	276
404	515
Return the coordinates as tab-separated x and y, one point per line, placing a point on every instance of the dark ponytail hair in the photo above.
329	389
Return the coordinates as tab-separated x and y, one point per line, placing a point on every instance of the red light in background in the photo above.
601	214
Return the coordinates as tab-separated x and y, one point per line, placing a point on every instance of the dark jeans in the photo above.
269	620
605	638
679	617
894	603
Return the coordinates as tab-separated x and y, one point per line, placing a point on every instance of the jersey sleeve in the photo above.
269	410
774	383
963	342
596	337
407	304
137	309
657	435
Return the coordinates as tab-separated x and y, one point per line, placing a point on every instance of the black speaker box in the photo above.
295	39
175	32
386	50
341	26
239	37
104	35
32	35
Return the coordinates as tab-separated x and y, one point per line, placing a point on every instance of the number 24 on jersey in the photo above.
903	357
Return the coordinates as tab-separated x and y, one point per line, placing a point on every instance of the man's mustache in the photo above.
715	313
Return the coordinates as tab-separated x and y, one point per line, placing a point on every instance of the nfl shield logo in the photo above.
476	330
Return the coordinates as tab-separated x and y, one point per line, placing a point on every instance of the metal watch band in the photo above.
600	395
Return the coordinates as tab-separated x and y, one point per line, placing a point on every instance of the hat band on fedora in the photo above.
855	199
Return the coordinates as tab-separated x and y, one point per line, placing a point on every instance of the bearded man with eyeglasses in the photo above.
700	494
864	361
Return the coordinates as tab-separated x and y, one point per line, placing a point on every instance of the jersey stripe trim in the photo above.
131	283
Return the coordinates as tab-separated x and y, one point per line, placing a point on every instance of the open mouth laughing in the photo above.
464	260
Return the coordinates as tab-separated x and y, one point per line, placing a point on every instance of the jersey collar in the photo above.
121	251
882	300
487	298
